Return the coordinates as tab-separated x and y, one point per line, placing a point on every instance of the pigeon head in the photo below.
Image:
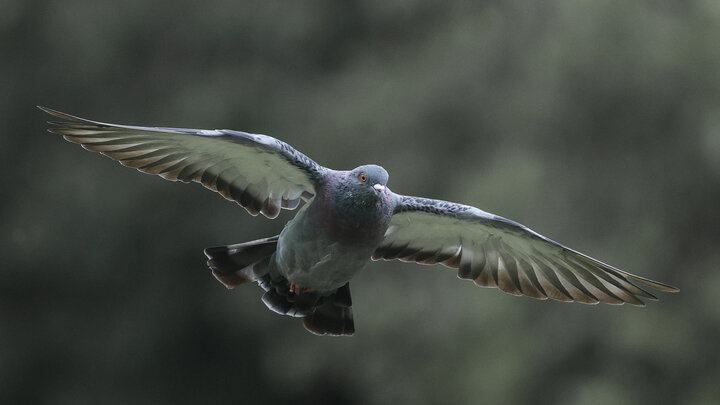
370	177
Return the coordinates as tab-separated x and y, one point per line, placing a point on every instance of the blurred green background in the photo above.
594	123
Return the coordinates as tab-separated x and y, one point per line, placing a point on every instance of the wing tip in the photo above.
50	111
62	115
657	285
664	287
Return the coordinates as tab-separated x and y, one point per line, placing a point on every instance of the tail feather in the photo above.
330	319
297	306
238	264
342	296
322	313
334	316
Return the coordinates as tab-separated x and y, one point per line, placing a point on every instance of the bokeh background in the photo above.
596	123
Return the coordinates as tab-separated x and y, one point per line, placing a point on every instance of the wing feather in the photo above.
496	252
259	172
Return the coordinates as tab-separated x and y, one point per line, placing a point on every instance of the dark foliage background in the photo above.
593	122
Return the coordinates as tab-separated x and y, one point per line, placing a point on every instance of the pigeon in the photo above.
347	218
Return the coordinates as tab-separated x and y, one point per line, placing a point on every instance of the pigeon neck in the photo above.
349	211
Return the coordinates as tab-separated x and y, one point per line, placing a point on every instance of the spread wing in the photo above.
496	252
258	172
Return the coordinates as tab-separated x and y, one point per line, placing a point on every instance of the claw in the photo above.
297	290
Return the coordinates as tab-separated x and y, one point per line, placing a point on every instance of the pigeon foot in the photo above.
298	290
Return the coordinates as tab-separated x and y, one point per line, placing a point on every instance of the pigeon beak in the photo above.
379	188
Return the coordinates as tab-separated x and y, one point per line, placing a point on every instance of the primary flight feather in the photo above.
349	217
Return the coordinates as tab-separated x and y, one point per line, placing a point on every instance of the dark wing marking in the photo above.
258	172
496	252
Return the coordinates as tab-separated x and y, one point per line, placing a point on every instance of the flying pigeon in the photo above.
347	218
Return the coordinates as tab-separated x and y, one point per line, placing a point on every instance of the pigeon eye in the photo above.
363	178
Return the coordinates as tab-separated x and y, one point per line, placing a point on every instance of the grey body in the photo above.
349	217
333	236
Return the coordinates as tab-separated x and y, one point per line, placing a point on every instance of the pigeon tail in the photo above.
238	264
332	319
323	314
328	314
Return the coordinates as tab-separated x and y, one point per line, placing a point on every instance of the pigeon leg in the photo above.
297	290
